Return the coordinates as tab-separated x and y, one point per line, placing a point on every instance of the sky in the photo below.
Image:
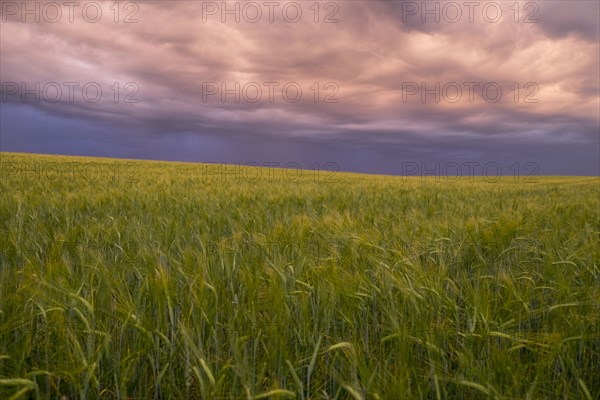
387	87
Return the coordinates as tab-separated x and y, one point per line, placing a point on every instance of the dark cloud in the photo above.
370	56
563	18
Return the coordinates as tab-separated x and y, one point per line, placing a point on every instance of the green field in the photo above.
152	280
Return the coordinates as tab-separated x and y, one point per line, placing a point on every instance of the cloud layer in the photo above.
379	80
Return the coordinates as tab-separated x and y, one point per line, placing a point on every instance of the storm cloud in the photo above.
368	85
